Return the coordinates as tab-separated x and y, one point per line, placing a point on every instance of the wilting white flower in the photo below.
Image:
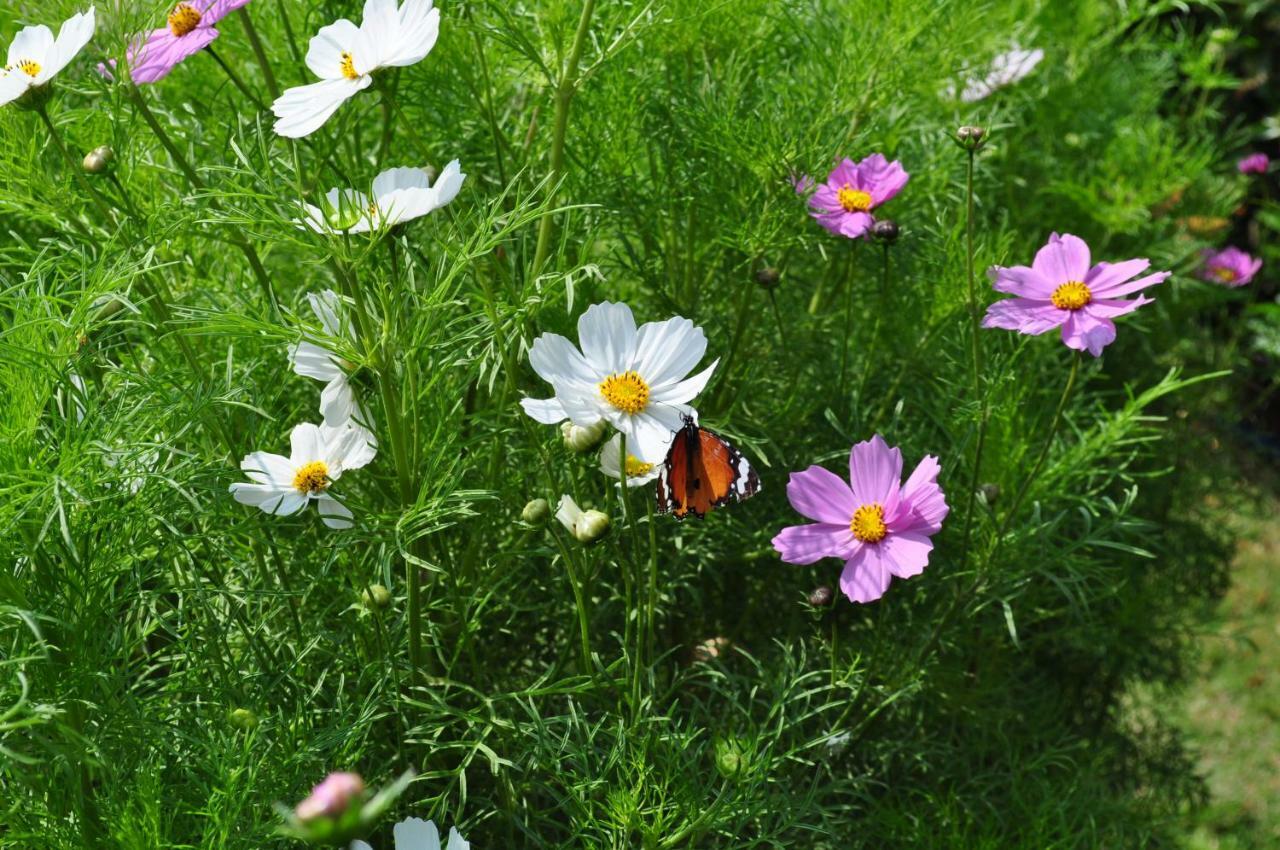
638	472
35	56
286	485
586	526
417	834
399	195
634	379
345	57
1006	69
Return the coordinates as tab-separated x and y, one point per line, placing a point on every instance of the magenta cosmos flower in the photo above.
1060	289
331	797
1229	267
877	525
188	31
1255	163
844	203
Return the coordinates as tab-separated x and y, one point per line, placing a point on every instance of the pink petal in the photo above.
875	471
1105	276
1020	280
887	182
1085	333
906	554
1024	315
865	577
855	225
1065	258
1109	308
1118	289
805	544
922	506
844	174
163	51
820	495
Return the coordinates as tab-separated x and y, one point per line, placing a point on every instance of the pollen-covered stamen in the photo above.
853	200
312	478
868	523
636	467
626	391
183	19
1072	295
26	66
1224	274
348	66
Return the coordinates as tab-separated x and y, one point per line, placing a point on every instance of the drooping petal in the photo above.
865	577
303	109
548	411
806	544
906	554
665	352
1083	332
607	334
311	361
875	473
1024	315
821	495
1064	258
337	401
853	225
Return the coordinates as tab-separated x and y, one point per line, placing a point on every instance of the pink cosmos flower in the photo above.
844	203
1256	163
331	797
1229	267
190	29
877	525
1060	289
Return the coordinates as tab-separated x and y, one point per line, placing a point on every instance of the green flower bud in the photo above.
99	159
971	138
242	718
732	758
591	526
536	512
375	596
582	440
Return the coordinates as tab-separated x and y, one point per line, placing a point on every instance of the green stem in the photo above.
777	315
975	324
848	323
235	79
564	96
77	169
259	52
579	602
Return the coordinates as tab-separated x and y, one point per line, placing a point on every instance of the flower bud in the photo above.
970	138
732	758
990	493
711	649
581	440
242	718
331	797
375	596
821	597
885	230
536	512
592	526
99	159
768	277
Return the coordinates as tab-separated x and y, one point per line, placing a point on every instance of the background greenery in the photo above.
995	701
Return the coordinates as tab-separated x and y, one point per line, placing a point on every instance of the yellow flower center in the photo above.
626	391
636	467
868	523
312	478
854	200
1224	274
26	66
348	66
1072	295
183	19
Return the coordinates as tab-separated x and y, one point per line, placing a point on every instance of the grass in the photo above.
175	662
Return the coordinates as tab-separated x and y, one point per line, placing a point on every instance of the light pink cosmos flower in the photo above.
877	525
1229	267
1060	289
844	203
188	31
1255	163
331	797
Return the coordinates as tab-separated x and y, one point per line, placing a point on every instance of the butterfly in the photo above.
702	471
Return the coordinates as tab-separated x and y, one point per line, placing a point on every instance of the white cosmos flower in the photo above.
399	195
634	379
285	485
638	472
35	56
417	834
1005	70
338	403
345	56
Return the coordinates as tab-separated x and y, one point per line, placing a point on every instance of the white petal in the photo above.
326	304
311	361
556	360
568	512
31	43
267	468
359	845
417	29
304	109
13	86
607	334
337	401
348	446
306	443
667	351
324	53
548	411
685	391
269	499
649	434
394	179
72	38
334	513
415	833
456	841
449	183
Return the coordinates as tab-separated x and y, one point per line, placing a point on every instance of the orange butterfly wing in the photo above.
702	472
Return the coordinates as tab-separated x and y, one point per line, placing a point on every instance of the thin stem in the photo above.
1044	450
564	96
848	322
77	169
651	613
974	331
235	79
777	315
579	602
259	52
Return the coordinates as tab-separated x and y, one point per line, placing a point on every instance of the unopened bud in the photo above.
768	277
970	138
375	596
242	718
536	511
885	230
711	649
732	758
585	526
581	440
331	797
99	159
821	597
990	493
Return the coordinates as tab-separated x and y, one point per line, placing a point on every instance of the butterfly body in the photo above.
703	471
